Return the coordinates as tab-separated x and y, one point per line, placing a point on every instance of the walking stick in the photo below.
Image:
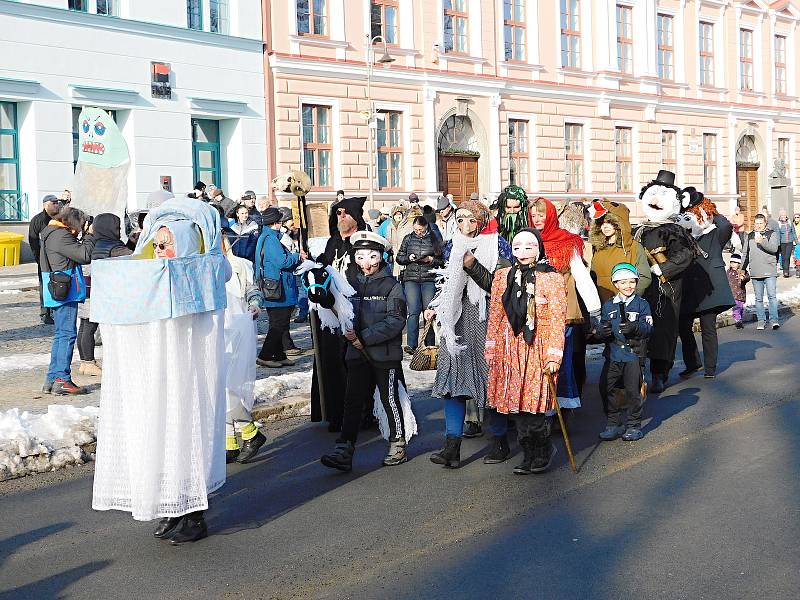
552	383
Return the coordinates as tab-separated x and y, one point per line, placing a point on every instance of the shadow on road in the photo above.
54	585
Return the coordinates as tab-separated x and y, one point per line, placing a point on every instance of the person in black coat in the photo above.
706	289
50	207
420	252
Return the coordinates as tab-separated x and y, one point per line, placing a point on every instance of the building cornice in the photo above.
116	24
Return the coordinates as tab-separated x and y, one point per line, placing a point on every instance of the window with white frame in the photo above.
710	162
109	8
219	16
390	150
625	39
312	17
518	153
570	34
666	47
624	158
746	60
384	21
78	5
783	151
780	64
317	148
573	157
706	45
194	14
514	29
456	26
669	150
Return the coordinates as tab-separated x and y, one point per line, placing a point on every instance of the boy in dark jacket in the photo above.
625	325
374	352
737	278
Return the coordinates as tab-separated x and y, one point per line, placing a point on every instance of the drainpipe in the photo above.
269	96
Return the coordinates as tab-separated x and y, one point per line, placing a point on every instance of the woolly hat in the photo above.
374	214
736	257
624	271
271	216
442	202
479	211
474	196
412	197
369	240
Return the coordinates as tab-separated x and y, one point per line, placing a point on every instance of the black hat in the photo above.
199	185
286	213
352	206
665	177
695	196
270	216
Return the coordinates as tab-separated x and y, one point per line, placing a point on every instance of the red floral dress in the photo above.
517	382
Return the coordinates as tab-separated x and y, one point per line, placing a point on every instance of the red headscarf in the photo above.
559	244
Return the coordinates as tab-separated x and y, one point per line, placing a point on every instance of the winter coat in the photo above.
63	249
429	244
625	249
448	226
737	283
276	262
622	348
396	233
247	238
379	306
37	224
705	284
759	257
786	233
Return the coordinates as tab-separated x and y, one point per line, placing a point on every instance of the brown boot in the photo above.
91	368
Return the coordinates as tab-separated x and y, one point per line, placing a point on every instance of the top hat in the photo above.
665	177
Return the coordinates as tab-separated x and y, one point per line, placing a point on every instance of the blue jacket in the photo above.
786	233
274	261
622	348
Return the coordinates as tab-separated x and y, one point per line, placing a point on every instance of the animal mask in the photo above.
317	283
296	182
100	141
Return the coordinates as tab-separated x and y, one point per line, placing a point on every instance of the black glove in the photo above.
604	331
628	329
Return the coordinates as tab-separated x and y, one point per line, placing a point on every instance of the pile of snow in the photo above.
19	362
791	296
273	390
35	443
10	291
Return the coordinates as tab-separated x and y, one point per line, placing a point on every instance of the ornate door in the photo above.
747	188
458	175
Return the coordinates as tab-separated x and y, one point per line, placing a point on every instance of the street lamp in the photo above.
372	124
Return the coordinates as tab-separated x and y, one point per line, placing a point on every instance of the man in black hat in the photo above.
670	250
51	205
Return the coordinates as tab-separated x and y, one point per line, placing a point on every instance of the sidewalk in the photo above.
19	278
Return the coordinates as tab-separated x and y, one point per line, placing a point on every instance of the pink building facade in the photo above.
571	99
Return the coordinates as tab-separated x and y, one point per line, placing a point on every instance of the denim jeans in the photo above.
66	319
758	289
302	298
418	296
455	410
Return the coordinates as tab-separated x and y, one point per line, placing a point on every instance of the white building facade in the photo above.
183	79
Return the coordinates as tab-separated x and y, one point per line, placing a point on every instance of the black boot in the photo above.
192	528
450	455
657	383
543	453
341	458
499	452
472	429
231	456
251	447
524	468
166	527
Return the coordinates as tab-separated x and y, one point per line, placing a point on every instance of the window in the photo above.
205	151
624	39
783	151
514	29
455	26
746	60
76	113
669	150
390	151
10	200
79	5
194	14
573	168
384	21
518	167
709	162
706	44
317	147
780	64
218	12
623	158
312	17
665	47
107	7
570	34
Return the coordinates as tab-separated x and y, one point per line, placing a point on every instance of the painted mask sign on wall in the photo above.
159	80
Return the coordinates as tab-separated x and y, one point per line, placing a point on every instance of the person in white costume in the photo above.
162	413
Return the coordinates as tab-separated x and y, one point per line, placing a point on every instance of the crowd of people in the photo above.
512	293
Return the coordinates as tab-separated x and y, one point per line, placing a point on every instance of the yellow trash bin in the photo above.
9	248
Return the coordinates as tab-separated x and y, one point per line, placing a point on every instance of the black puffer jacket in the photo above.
421	247
380	312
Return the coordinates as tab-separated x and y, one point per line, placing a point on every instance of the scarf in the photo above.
519	299
559	244
453	280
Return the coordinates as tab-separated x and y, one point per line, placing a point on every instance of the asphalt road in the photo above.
705	506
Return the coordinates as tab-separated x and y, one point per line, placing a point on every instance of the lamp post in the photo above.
372	124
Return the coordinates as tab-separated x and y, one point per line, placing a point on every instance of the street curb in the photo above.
292	406
726	319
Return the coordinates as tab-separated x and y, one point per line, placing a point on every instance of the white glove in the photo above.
655	270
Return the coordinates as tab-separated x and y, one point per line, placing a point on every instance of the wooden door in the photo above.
747	188
458	175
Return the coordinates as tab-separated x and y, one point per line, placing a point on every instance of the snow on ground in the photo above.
19	283
273	390
10	291
35	443
19	362
787	297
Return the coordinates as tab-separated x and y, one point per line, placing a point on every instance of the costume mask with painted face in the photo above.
689	222
525	248
100	141
368	261
467	223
